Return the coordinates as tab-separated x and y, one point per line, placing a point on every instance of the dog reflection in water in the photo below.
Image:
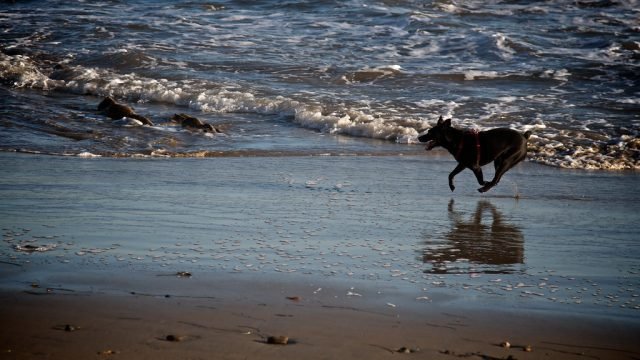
484	243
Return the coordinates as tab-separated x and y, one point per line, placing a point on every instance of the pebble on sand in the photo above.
278	340
175	338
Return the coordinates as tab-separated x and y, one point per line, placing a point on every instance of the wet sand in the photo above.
350	257
326	324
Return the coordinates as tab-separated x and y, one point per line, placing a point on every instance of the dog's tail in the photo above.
526	134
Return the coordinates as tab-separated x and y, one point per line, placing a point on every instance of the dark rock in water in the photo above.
631	45
112	109
595	4
191	122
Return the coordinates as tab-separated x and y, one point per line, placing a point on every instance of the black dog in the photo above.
473	149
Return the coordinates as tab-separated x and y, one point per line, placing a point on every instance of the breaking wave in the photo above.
360	70
552	146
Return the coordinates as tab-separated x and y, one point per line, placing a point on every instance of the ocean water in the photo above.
321	77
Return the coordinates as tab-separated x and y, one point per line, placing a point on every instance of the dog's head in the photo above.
436	135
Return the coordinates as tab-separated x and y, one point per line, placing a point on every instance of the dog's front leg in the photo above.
455	172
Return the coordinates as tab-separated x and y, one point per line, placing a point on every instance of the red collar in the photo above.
476	134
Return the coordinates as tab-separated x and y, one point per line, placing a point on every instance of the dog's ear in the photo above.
447	123
440	120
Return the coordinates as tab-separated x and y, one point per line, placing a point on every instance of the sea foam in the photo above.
206	97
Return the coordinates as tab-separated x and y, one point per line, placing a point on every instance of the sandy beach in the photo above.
349	257
319	326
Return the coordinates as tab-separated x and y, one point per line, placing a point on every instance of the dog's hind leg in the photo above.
501	168
478	172
502	165
455	172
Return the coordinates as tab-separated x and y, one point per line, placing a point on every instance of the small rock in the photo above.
294	298
66	327
278	340
174	338
527	348
406	350
107	352
505	344
183	274
630	45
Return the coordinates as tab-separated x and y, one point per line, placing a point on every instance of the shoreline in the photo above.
416	150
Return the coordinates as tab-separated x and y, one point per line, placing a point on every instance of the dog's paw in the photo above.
452	187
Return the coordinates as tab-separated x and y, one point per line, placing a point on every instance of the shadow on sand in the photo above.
484	243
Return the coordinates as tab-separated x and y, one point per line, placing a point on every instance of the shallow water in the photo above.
569	243
337	77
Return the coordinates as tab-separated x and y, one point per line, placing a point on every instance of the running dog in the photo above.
473	149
